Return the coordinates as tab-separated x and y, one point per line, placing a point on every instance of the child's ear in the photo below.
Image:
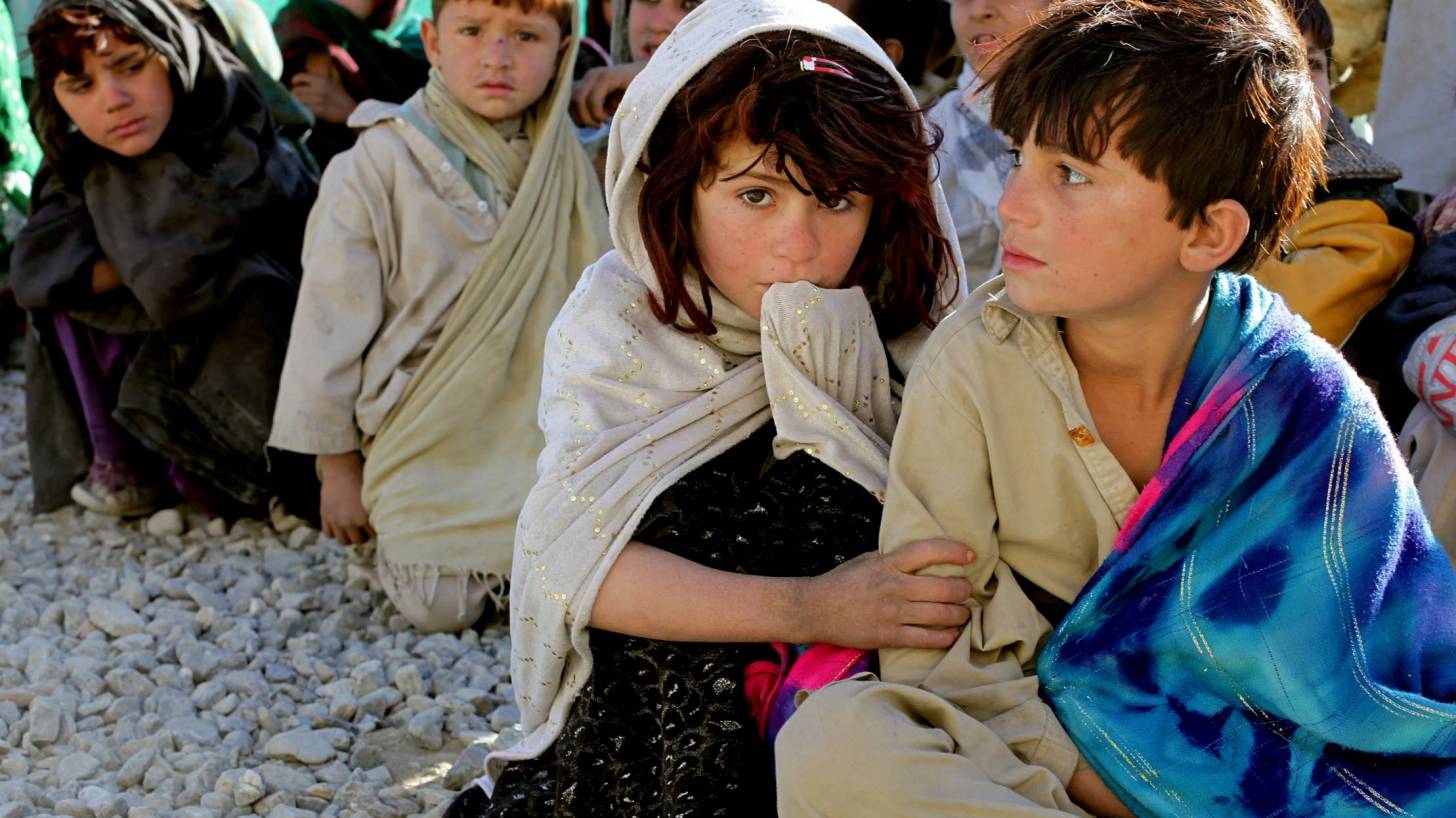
430	37
894	49
1215	236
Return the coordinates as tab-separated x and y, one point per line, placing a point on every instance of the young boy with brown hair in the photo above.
443	245
1203	584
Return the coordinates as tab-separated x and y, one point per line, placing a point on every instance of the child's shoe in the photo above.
113	489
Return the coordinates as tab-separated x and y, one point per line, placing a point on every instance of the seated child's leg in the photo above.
123	477
445	603
855	747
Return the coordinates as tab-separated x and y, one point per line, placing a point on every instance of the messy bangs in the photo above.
1210	97
831	133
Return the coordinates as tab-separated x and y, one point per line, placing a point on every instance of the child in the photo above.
714	436
157	262
973	155
443	244
1346	251
338	53
1151	455
19	158
638	28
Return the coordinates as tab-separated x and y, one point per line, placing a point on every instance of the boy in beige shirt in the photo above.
1114	404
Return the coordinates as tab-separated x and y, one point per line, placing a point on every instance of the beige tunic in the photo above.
397	231
996	449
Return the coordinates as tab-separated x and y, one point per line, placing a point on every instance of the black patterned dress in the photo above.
663	728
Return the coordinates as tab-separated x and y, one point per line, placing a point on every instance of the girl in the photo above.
160	262
718	406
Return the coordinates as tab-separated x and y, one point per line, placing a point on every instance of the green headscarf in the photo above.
20	153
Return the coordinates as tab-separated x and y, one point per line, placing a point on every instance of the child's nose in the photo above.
1016	205
114	94
797	240
497	53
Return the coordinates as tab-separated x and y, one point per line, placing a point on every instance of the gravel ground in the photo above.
176	666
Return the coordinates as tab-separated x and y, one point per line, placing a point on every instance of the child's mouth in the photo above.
131	127
986	43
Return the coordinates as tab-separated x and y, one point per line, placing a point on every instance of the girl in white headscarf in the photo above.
718	405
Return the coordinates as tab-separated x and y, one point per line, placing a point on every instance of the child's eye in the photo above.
1072	176
839	204
756	197
1015	154
689	5
470	31
527	36
135	67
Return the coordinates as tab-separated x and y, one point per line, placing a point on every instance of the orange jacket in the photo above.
1346	257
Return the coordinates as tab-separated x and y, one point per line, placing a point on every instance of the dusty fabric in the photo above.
204	231
378	280
629	405
451	464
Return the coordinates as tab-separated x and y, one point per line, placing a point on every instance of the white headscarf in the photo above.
630	405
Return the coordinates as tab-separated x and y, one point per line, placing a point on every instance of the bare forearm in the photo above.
658	595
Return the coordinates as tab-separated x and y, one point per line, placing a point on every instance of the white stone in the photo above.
114	617
305	746
249	788
167	522
76	767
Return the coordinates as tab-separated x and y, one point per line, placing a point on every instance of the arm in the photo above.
56	253
1346	257
940	487
868	602
340	311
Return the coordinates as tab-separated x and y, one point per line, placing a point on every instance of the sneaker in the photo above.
112	489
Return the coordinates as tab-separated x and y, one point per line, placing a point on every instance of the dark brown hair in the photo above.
837	135
559	9
1314	22
1211	97
59	42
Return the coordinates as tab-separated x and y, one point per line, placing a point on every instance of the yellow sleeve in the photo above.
1346	257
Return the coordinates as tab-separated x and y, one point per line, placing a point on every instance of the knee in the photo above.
445	605
828	754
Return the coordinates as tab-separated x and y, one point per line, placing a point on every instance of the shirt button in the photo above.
482	206
445	167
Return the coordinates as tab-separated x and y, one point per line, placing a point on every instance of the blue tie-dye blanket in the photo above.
1275	632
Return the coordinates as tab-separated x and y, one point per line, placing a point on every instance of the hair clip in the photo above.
824	66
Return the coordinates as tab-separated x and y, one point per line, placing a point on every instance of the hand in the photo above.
324	95
595	96
341	501
1092	795
876	601
1439	217
104	277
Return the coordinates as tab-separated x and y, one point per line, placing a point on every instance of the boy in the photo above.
1155	458
974	156
445	242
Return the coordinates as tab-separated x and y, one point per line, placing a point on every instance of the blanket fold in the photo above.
1274	633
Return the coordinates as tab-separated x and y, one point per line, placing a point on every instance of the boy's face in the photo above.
1319	72
796	237
496	60
1086	240
121	100
982	26
650	21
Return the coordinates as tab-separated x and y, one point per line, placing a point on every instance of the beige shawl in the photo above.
451	464
630	406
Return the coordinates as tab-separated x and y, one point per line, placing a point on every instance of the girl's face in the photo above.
121	100
650	21
982	27
756	229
